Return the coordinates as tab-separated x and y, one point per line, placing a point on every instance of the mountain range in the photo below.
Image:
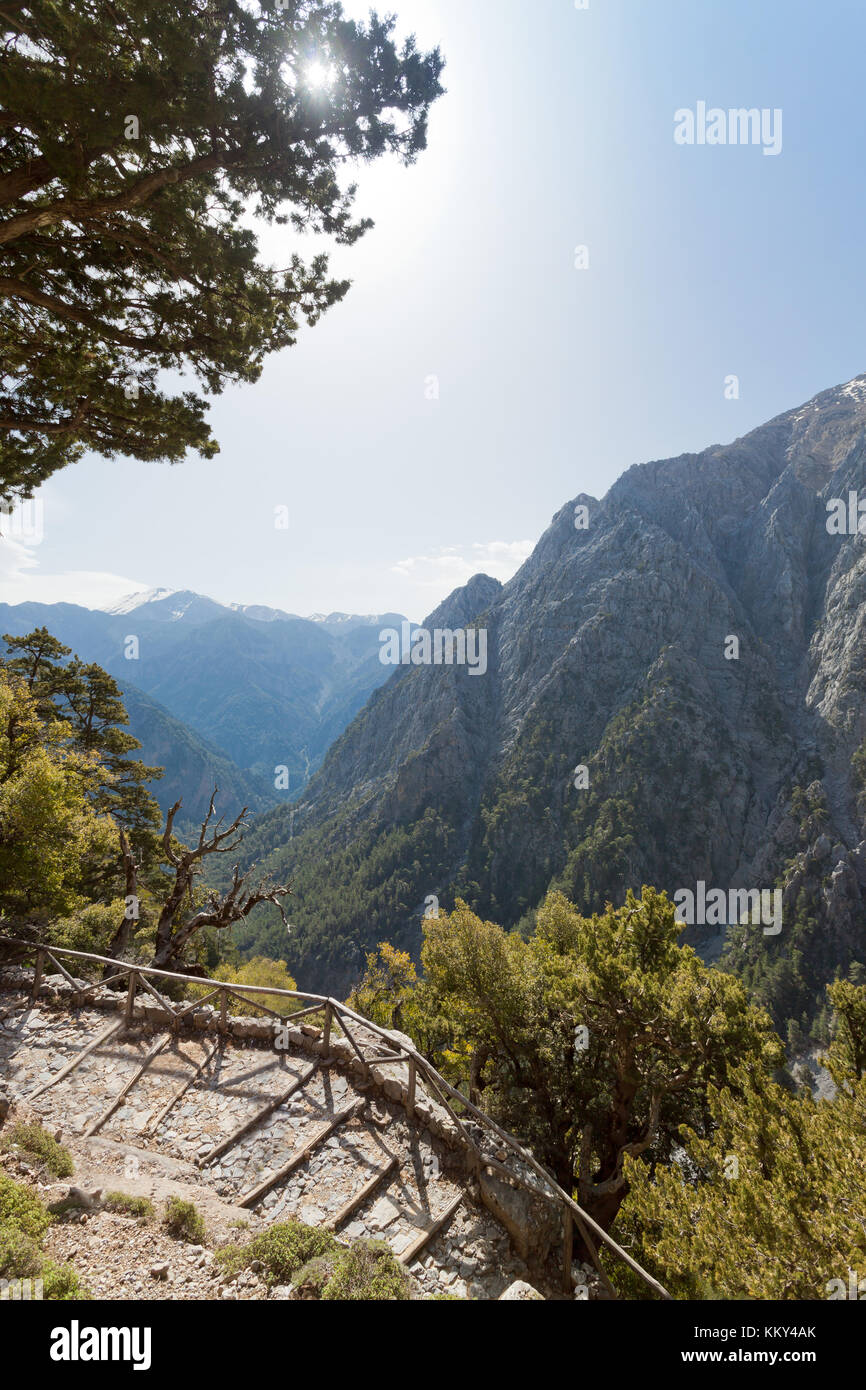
675	694
223	695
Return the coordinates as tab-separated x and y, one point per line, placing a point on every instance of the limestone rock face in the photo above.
534	1225
698	646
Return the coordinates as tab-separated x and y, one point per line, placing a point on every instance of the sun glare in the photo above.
318	76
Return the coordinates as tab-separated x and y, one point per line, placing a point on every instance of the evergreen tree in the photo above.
92	704
53	841
133	140
768	1202
593	1041
85	702
847	1055
37	660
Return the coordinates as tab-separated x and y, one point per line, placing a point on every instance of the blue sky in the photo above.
556	132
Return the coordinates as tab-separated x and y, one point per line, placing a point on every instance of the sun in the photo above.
318	76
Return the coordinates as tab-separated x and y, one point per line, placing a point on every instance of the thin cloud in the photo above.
451	566
88	588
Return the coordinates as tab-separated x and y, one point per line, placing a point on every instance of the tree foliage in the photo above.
81	705
388	987
80	855
259	971
769	1203
54	843
134	140
594	1040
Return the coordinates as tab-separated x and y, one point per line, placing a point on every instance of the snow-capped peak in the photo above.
132	601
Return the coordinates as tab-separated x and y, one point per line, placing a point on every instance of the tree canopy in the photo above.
53	840
769	1202
593	1041
79	705
134	140
78	825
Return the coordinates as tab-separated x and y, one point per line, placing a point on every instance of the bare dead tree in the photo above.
220	910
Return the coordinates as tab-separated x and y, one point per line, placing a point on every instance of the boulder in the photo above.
401	1040
520	1290
534	1224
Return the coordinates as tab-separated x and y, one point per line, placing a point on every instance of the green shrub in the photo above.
20	1256
90	928
21	1210
294	1253
42	1145
61	1283
260	970
127	1205
183	1222
23	1223
368	1271
283	1250
318	1273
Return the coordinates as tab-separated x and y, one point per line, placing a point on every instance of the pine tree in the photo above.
53	841
133	140
87	704
38	662
92	703
593	1041
767	1204
847	1055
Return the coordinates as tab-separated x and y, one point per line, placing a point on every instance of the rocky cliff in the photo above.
695	642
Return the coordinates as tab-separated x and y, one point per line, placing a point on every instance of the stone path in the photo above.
470	1256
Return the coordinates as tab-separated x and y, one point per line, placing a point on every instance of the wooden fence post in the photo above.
130	999
410	1095
326	1032
37	975
568	1253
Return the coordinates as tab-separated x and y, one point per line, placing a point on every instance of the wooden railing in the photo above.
351	1024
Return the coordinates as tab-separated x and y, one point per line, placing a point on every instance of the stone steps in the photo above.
472	1252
